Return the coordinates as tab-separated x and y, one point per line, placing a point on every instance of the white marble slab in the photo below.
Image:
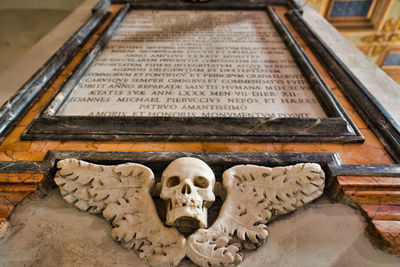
195	64
325	235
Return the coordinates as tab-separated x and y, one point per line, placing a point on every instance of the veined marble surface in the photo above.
378	83
16	74
375	80
322	234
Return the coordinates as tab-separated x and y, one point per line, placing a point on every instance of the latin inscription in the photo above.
194	64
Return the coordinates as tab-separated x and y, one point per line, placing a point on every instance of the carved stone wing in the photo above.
255	195
122	195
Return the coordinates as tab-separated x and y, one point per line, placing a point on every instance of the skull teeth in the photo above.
185	203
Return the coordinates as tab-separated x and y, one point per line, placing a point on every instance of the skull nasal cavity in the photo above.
186	189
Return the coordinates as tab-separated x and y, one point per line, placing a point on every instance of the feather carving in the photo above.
255	195
122	195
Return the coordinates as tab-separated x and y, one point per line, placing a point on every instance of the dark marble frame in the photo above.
19	104
218	161
338	127
378	119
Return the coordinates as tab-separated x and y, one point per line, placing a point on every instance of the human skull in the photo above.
187	187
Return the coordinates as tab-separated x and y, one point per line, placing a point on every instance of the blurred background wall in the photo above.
371	25
25	22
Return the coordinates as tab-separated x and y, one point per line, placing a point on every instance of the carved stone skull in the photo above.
187	187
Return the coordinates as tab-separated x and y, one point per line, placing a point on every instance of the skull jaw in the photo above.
182	216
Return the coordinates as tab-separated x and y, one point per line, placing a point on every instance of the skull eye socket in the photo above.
173	181
201	182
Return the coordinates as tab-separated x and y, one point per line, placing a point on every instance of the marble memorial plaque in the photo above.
194	64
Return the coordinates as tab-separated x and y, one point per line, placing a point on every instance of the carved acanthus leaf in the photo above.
122	194
91	187
255	196
140	229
